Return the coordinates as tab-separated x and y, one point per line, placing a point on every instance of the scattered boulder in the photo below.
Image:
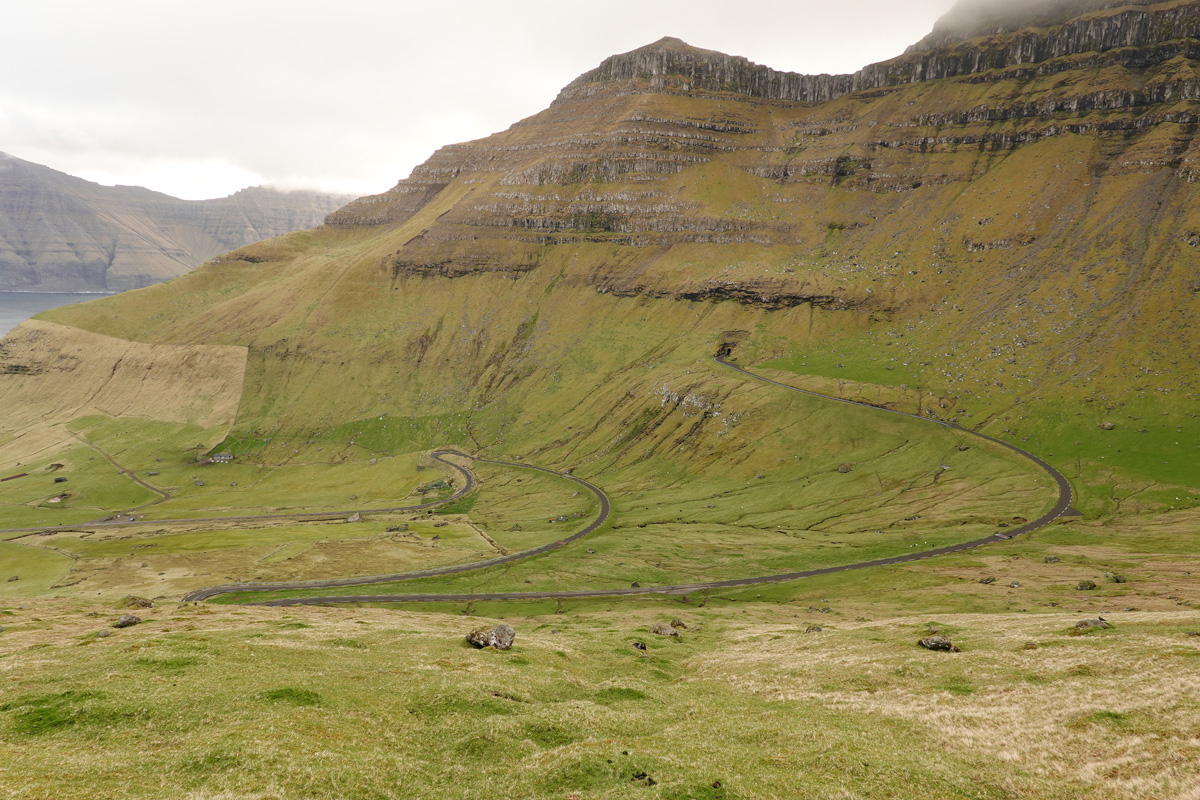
1085	586
663	629
500	637
635	585
354	518
198	482
14	578
126	621
1052	559
103	634
1015	585
678	623
1108	426
940	643
1117	578
1088	625
591	552
138	602
813	629
845	469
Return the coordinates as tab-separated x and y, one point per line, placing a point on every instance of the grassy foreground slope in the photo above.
262	703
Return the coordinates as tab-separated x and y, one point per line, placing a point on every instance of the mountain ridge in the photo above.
63	233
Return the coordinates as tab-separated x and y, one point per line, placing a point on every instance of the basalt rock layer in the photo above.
60	233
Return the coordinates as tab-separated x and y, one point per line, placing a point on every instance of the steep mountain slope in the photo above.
1003	231
60	233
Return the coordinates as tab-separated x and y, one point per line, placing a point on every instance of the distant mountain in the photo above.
62	233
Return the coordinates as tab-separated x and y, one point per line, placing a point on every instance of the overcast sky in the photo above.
199	98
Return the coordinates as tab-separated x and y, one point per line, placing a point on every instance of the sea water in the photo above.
16	307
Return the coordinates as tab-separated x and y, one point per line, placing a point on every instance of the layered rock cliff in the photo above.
60	233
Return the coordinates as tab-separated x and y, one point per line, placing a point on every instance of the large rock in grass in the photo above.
663	629
126	621
500	637
1089	625
939	642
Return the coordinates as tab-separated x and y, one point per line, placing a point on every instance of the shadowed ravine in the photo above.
1061	507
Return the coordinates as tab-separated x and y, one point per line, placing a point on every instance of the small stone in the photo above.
1052	559
987	581
1085	586
639	646
845	469
1015	585
940	643
635	585
663	629
14	578
1117	578
126	621
138	602
198	482
1086	625
814	629
500	637
1108	426
354	518
591	552
678	623
103	634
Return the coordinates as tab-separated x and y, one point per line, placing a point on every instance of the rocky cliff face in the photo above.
975	18
1026	32
60	233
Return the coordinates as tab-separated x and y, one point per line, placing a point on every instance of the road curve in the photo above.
467	488
605	510
1065	498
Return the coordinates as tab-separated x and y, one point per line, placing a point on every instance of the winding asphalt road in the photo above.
1065	497
605	510
119	523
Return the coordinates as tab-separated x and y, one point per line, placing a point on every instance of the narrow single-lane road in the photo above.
1061	506
601	518
118	523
